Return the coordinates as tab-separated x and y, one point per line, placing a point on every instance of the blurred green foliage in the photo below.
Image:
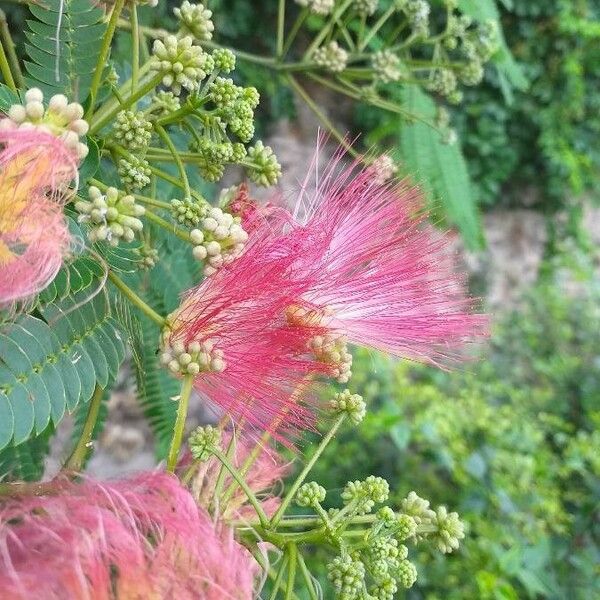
511	443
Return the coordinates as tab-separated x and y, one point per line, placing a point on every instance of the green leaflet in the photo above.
441	167
63	63
49	365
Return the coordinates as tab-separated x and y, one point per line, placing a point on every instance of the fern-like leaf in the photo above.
63	46
441	167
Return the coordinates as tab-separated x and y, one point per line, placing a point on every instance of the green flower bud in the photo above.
444	82
472	73
224	60
387	66
189	212
318	7
331	57
262	166
134	172
111	216
385	589
167	102
406	575
132	130
310	494
347	577
365	8
223	91
195	20
191	358
181	64
417	508
351	404
203	440
365	494
406	526
149	257
450	530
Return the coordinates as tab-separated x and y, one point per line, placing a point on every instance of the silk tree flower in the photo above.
143	537
384	278
231	334
35	170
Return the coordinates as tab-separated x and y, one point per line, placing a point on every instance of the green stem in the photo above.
304	473
277	584
5	69
294	31
182	410
135	48
325	31
152	202
322	116
100	119
280	28
310	585
103	56
182	234
262	517
180	166
76	460
136	300
11	55
221	476
292	550
377	26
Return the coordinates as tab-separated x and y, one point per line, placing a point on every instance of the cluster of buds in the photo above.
165	103
387	65
383	168
148	257
188	212
365	8
181	64
332	350
417	12
132	130
134	172
112	217
62	119
318	7
195	20
191	358
203	440
262	165
363	495
220	240
310	494
347	576
444	82
331	57
350	404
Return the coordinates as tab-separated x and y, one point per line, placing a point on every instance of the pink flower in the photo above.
231	333
35	169
384	278
132	539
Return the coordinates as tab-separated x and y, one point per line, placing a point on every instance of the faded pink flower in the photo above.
231	333
384	278
141	539
35	170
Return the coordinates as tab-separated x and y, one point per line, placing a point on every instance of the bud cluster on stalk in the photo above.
111	216
192	358
60	118
219	240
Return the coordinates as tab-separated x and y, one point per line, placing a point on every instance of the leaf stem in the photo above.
292	551
5	69
279	578
11	55
310	585
136	300
280	28
304	473
76	460
180	166
135	47
182	410
182	234
103	56
262	517
322	116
